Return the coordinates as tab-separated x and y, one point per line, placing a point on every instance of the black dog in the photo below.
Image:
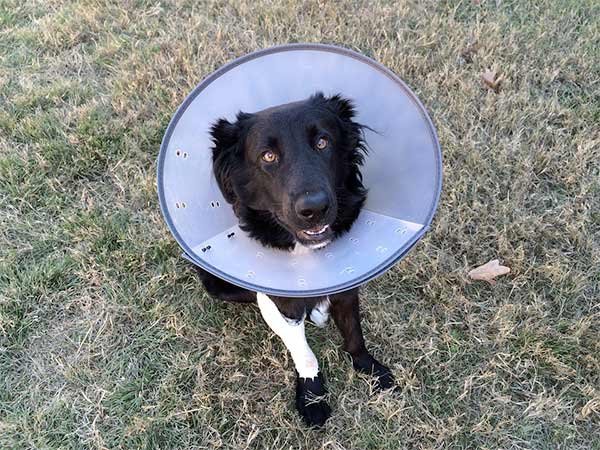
292	175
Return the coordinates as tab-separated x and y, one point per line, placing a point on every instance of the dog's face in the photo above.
295	166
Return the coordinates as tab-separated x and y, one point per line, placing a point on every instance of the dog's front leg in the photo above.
310	388
346	315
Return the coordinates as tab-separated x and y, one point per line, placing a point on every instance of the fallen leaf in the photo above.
489	271
492	79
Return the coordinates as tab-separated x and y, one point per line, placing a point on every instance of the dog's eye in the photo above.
322	143
269	156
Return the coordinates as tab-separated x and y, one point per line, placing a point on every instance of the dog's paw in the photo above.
384	379
310	401
370	366
314	413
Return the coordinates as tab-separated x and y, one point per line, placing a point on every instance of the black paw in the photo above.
368	365
310	401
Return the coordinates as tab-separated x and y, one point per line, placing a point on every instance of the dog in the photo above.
292	175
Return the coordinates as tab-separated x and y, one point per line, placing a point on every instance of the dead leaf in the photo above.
492	79
489	271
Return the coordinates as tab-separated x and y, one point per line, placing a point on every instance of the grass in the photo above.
107	339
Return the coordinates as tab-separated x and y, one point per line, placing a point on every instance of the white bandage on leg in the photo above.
320	313
292	335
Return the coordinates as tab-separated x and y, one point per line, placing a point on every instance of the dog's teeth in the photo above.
319	231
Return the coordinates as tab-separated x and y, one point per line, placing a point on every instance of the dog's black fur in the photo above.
265	197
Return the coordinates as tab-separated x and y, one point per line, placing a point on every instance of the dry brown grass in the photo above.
108	341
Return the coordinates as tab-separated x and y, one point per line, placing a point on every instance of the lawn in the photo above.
107	339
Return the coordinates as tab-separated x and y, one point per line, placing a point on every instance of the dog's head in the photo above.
291	172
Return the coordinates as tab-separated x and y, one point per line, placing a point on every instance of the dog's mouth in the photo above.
315	237
315	231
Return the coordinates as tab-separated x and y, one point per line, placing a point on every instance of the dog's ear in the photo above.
227	149
345	111
224	134
353	135
340	106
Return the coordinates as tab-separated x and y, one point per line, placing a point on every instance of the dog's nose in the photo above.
312	205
